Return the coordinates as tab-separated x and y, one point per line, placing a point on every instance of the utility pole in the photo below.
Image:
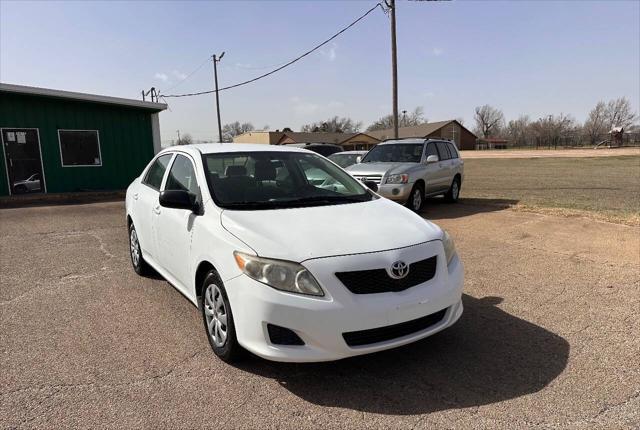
394	66
215	78
178	142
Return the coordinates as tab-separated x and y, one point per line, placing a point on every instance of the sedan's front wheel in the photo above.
218	319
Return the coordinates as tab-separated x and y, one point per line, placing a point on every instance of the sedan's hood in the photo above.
378	168
302	233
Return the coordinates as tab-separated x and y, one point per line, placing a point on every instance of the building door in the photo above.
23	160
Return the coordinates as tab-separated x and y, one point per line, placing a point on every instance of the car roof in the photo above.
212	148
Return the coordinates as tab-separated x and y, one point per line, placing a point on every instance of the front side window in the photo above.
271	180
154	175
79	148
395	153
182	176
443	150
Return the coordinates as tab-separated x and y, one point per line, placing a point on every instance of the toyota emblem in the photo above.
398	270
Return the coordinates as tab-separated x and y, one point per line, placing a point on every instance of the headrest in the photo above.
265	171
235	171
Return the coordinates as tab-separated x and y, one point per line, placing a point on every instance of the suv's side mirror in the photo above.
432	159
371	185
179	199
358	159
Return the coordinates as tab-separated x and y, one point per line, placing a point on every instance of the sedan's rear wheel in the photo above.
135	251
218	319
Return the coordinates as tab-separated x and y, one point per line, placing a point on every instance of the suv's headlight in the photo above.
279	274
397	179
449	247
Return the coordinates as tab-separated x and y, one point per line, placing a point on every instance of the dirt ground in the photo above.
550	336
551	153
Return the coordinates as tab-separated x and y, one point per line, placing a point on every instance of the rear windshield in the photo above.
395	153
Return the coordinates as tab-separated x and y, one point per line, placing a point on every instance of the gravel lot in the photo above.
550	336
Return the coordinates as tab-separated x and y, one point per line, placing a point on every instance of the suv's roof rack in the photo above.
420	138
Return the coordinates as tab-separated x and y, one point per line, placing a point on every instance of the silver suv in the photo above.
408	170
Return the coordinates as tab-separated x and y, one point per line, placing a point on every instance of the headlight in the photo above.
397	179
279	274
449	247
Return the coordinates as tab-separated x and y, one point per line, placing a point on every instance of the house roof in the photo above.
421	130
319	136
69	95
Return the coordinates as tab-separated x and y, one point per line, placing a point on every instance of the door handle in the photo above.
135	196
156	210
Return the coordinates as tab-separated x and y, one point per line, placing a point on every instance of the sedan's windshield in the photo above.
395	153
270	180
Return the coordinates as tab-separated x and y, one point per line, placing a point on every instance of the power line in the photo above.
315	48
181	81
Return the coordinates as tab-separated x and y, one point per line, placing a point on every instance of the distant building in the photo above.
491	143
349	141
59	141
451	130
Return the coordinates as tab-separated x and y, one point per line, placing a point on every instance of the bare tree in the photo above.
185	139
518	131
489	120
597	123
229	131
619	113
333	125
553	130
415	117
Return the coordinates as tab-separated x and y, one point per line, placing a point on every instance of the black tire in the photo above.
230	350
454	191
416	198
140	266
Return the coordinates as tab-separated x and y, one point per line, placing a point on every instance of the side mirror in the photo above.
179	199
432	159
358	159
371	185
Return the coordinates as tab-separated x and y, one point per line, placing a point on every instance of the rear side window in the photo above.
453	150
443	150
154	175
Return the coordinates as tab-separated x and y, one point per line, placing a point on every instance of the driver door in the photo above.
174	228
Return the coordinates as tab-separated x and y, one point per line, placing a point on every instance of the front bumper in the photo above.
321	321
396	192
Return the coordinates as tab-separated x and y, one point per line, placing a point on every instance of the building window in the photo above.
79	148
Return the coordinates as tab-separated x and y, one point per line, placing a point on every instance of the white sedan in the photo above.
286	269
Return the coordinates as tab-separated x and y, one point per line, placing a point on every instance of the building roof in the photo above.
318	137
69	95
421	130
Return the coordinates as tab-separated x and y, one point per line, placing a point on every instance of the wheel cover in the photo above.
135	247
215	313
417	199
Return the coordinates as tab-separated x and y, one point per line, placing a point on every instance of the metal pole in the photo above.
394	67
215	76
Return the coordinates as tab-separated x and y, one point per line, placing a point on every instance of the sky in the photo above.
523	57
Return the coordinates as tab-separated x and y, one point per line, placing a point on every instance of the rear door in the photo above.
23	160
146	202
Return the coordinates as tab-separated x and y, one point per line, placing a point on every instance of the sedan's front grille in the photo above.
373	178
379	281
381	334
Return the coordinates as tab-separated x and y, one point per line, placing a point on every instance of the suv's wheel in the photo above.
137	261
416	198
218	319
454	191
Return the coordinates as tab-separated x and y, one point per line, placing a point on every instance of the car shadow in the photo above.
438	208
488	356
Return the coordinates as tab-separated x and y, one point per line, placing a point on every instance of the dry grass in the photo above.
604	188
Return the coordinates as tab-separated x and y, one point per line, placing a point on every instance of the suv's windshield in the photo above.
269	180
395	153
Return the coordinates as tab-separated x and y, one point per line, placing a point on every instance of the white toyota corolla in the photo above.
287	255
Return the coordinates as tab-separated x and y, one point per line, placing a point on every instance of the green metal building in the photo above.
59	141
